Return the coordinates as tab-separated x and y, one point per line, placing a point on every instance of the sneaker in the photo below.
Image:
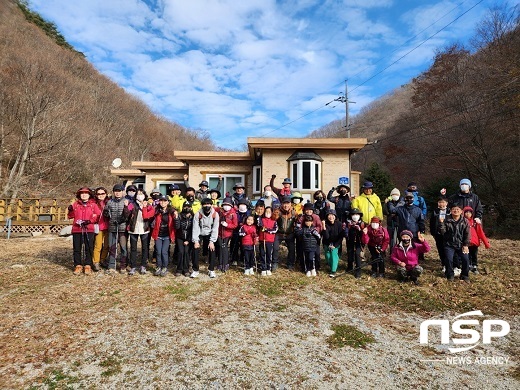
212	274
362	255
164	271
194	274
157	272
332	275
110	272
456	272
131	272
88	270
374	275
474	269
264	273
187	274
268	273
443	270
96	267
234	263
308	274
178	273
313	272
122	270
251	271
381	276
142	271
78	270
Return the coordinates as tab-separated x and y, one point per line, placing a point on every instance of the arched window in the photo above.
305	168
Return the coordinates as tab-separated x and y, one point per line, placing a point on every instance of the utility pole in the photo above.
344	99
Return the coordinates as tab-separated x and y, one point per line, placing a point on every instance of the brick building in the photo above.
311	164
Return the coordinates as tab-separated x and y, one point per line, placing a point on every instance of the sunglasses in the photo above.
101	193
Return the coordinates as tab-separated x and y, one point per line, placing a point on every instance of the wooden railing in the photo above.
34	210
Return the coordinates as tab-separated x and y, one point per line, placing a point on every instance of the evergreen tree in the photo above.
381	180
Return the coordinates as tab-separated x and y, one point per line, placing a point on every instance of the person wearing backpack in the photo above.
377	239
205	232
417	199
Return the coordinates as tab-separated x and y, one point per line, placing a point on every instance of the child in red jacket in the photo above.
378	239
406	256
268	228
477	236
249	239
228	223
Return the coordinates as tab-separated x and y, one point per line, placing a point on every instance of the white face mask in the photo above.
267	193
131	193
374	225
267	214
464	188
242	208
226	207
296	201
395	197
355	217
140	197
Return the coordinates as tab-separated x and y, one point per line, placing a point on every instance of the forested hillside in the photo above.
460	118
61	121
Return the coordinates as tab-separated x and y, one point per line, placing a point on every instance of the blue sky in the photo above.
256	68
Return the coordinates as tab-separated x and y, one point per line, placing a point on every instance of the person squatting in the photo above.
249	235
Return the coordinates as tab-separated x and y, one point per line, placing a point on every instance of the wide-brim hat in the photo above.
227	201
217	191
203	183
356	211
286	181
239	185
368	184
343	185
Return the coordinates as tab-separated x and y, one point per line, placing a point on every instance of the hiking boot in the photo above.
313	272
142	271
212	274
415	281
194	274
264	273
157	272
131	272
78	270
164	271
88	270
96	267
308	274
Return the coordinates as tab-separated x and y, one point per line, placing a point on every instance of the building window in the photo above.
257	179
305	170
228	182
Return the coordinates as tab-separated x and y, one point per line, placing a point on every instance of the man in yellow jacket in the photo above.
368	203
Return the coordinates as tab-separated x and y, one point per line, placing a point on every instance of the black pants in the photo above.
204	242
236	249
222	247
266	255
82	241
473	255
249	256
184	255
378	266
354	257
439	243
145	245
312	259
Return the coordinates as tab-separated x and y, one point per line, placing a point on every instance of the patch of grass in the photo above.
59	380
180	292
349	335
112	366
271	287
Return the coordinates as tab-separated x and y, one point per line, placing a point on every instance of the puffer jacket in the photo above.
470	199
114	212
248	234
409	256
310	237
342	205
230	217
157	222
103	221
409	217
184	226
131	212
268	228
376	237
456	233
88	212
333	233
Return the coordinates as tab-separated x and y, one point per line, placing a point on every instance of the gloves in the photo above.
333	188
79	222
315	233
224	223
84	223
70	208
273	176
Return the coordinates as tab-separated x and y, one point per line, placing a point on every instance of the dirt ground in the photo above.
110	332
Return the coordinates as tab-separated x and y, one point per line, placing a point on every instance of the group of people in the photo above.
237	231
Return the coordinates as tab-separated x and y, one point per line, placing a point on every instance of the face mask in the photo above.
406	242
296	201
226	207
374	225
395	198
206	209
267	193
155	196
242	208
319	198
186	210
140	197
355	217
464	188
267	214
409	201
130	193
343	192
191	198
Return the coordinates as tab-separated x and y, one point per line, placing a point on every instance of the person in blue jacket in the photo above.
417	199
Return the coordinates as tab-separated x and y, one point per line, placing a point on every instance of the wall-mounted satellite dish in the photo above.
117	162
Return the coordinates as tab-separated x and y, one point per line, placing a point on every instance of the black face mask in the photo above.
409	201
206	209
319	198
343	192
406	242
156	196
191	198
186	211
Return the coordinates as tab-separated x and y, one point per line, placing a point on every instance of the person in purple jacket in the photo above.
406	256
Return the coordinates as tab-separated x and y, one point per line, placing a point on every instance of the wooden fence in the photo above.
30	215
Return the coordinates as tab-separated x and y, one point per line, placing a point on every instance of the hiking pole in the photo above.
360	267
